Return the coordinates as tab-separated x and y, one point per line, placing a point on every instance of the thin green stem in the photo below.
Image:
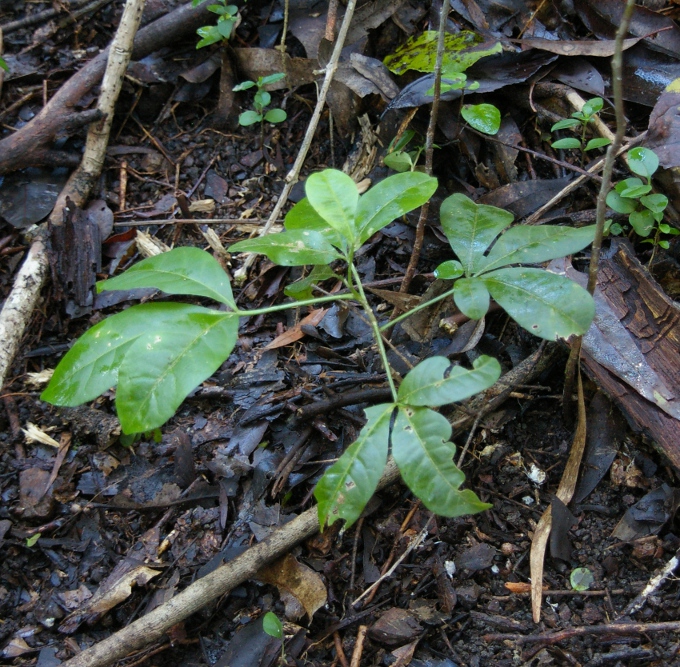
294	304
414	310
375	327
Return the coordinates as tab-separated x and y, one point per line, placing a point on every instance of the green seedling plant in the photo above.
228	20
272	626
3	64
398	158
634	197
156	353
580	120
261	101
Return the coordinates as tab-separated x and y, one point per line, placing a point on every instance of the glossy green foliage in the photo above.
227	18
579	121
261	101
548	305
422	449
271	624
461	51
156	353
304	288
335	216
346	487
634	197
485	118
182	271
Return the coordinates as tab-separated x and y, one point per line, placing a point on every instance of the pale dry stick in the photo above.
293	174
2	71
153	625
652	587
359	646
534	218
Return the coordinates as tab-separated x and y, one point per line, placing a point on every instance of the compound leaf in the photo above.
90	367
180	271
161	367
334	196
545	304
528	244
471	297
296	247
435	382
346	487
391	198
424	454
471	228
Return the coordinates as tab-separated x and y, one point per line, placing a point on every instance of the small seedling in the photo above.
581	119
272	626
228	19
398	158
32	541
156	353
3	64
634	197
261	101
581	579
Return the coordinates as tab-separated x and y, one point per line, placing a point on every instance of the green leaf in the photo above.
225	24
302	289
90	367
262	99
161	367
243	86
3	64
275	116
581	579
436	381
449	270
296	247
598	142
460	52
209	35
593	106
303	216
656	203
334	196
569	142
249	118
471	228
565	124
272	78
485	118
346	487
388	200
643	161
620	204
31	541
471	297
180	271
424	454
530	244
642	222
545	304
399	161
272	625
633	190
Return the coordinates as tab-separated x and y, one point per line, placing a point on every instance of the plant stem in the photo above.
375	327
294	304
414	310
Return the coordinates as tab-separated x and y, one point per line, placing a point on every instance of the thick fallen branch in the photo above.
151	627
30	145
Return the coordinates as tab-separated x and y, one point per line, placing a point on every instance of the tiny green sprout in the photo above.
261	101
272	626
398	158
581	579
484	118
228	19
581	119
3	64
31	541
634	197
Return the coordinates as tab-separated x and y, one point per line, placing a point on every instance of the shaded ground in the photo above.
237	460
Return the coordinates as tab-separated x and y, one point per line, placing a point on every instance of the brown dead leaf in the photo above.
565	492
299	580
295	333
596	48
